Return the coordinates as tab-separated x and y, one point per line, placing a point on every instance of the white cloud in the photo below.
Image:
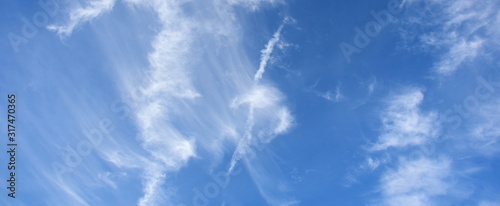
82	15
153	179
262	97
372	163
428	180
259	97
455	28
266	53
254	4
167	81
460	52
285	120
264	103
403	122
185	100
417	182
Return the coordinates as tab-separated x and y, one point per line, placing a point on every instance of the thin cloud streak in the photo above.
261	97
266	54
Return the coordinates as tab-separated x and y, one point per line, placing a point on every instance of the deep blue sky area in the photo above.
250	102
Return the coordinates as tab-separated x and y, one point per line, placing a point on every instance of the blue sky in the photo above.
253	102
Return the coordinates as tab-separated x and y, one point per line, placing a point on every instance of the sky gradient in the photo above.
253	102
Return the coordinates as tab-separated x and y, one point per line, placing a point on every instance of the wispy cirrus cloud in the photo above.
459	30
176	107
428	178
403	122
417	182
83	14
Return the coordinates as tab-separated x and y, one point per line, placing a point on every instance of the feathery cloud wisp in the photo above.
404	124
82	15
